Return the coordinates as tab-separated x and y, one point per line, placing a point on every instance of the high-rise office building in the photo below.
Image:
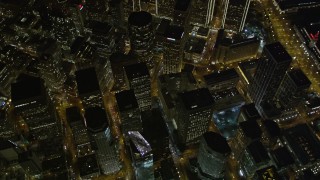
141	36
88	87
173	44
271	69
194	112
31	101
88	167
129	111
166	8
142	157
181	13
235	14
220	81
98	127
202	12
6	127
212	155
138	79
80	134
292	88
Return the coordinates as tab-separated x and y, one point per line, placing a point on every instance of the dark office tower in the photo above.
96	10
88	167
118	62
141	36
181	13
98	127
248	113
292	88
202	12
31	101
166	8
138	79
129	111
116	14
173	44
50	65
194	112
79	131
271	69
235	14
82	53
212	156
88	87
255	157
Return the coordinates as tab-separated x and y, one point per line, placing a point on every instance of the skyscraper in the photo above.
31	101
88	87
292	88
129	111
173	44
235	14
141	36
271	69
138	79
212	155
194	111
202	12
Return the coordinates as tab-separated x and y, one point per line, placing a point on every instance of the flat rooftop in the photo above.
195	45
288	4
73	114
136	70
196	99
88	165
100	28
96	119
182	5
250	111
87	81
26	87
251	129
221	76
126	100
272	128
174	32
258	152
278	52
299	78
216	142
282	157
139	18
303	143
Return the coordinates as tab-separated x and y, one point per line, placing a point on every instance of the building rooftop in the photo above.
282	157
76	44
119	57
195	45
251	129
73	114
272	128
182	5
96	119
289	4
258	152
100	28
140	144
174	33
299	78
216	142
278	52
126	100
162	27
303	143
196	99
26	87
136	70
268	173
221	76
250	111
139	18
87	81
55	164
88	165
